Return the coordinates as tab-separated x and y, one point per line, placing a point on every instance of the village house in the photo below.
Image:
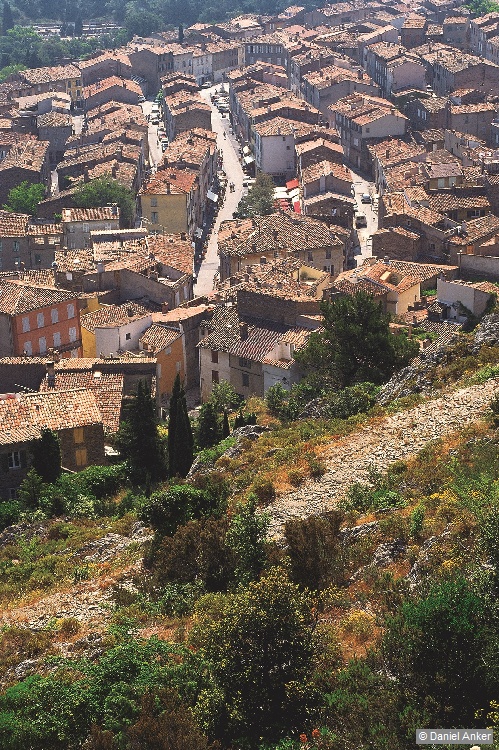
72	414
360	119
413	31
326	86
393	69
107	64
325	177
78	223
194	149
397	290
167	345
250	357
114	329
170	202
185	111
27	161
248	241
111	89
35	319
460	300
55	128
61	78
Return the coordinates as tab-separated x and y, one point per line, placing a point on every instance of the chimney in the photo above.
243	331
263	260
164	307
183	236
86	178
50	374
168	188
130	312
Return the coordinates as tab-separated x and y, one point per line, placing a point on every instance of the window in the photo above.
328	254
178	366
40	320
42	344
154	217
38	259
214	357
245	363
15	460
310	255
71	311
86	227
57	338
128	336
28	348
78	435
72	334
154	201
15	246
26	326
81	456
214	376
54	315
12	493
245	380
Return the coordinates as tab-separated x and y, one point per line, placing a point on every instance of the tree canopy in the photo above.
24	198
356	344
260	199
103	192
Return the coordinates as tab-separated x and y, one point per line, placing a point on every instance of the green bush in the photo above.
166	511
350	401
9	513
264	490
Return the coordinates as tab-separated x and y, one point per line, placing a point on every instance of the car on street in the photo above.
154	121
141	98
365	198
360	221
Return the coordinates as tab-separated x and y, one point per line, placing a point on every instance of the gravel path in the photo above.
379	444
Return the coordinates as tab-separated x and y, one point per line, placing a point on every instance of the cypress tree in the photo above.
180	440
138	438
225	425
7	18
78	27
208	426
46	452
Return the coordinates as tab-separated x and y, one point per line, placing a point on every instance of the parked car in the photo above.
141	98
365	198
360	221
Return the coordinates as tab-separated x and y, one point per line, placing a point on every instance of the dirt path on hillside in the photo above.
379	444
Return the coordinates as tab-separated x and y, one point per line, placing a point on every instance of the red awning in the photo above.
292	184
297	207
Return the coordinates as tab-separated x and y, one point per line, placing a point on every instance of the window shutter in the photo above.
4	462
24	459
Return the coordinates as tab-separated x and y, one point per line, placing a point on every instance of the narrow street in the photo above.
228	147
155	152
362	185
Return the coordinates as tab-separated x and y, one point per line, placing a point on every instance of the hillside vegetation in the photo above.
168	615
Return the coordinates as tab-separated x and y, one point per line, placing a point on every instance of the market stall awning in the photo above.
212	196
297	207
249	159
292	184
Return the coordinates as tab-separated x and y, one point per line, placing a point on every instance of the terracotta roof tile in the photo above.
19	297
24	417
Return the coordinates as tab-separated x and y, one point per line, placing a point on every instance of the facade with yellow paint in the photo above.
170	202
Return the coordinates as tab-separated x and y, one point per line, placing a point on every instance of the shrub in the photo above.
359	624
295	477
416	524
166	511
9	513
315	553
494	408
69	626
350	401
264	490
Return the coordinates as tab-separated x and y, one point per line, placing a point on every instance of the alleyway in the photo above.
229	148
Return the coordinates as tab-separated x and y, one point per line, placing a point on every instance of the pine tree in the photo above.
180	439
46	452
7	18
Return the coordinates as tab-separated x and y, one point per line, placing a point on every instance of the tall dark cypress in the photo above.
7	18
180	440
